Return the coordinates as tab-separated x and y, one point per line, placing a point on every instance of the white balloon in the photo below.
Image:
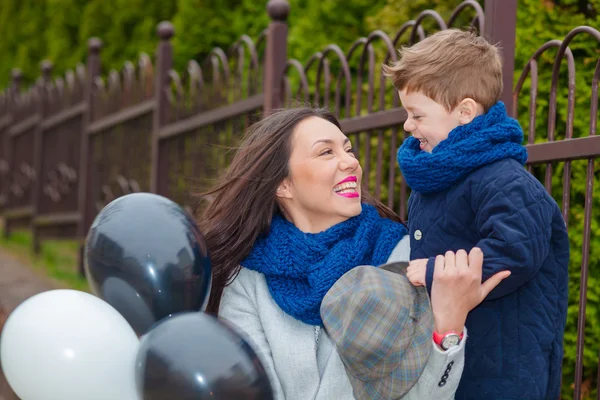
69	345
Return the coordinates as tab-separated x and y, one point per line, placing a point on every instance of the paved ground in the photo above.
17	283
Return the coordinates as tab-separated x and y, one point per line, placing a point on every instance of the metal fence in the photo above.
70	145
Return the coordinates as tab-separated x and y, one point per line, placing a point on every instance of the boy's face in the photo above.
428	121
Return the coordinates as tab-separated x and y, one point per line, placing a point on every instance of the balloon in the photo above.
69	345
146	257
195	356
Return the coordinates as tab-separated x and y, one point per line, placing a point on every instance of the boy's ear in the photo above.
468	109
284	189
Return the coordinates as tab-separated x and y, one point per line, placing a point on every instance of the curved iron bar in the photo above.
587	209
196	78
114	81
100	87
22	179
287	89
128	73
70	79
59	85
561	53
245	39
60	181
180	93
25	103
80	72
391	54
315	57
335	49
480	14
424	14
129	82
297	65
358	42
100	96
313	60
33	97
532	65
134	186
217	55
323	66
353	47
48	89
125	185
71	86
405	26
254	61
238	76
146	71
369	53
260	39
594	105
115	93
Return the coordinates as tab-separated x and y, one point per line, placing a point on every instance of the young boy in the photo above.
464	164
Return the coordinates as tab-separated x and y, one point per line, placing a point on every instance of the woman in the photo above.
287	220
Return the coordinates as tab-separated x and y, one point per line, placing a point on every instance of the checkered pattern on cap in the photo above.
382	326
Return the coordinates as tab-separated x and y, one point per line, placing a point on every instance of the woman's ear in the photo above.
284	189
468	109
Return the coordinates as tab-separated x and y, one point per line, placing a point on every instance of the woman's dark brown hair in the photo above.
244	201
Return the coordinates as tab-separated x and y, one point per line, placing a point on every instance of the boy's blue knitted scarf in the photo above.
489	137
301	267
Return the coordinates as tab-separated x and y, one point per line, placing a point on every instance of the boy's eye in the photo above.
326	152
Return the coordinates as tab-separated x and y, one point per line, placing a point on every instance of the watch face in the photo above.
450	340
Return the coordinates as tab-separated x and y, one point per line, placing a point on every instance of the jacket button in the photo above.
418	235
442	383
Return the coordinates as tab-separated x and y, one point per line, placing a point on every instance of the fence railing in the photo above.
69	145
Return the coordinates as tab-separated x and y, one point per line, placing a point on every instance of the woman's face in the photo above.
323	186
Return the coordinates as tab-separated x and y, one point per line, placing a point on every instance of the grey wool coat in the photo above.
300	359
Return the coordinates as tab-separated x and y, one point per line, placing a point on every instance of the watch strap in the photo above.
438	337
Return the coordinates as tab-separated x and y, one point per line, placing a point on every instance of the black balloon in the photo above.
146	257
195	356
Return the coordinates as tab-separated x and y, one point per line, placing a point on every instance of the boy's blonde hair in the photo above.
448	67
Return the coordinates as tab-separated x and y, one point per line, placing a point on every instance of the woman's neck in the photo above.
313	223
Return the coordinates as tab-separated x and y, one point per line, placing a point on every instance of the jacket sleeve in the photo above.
240	310
441	375
514	220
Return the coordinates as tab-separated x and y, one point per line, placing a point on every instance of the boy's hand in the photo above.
416	271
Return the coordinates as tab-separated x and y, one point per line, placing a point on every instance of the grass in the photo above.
58	259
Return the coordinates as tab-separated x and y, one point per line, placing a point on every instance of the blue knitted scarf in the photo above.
489	137
301	267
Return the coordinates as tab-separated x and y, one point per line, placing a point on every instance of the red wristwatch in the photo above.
447	340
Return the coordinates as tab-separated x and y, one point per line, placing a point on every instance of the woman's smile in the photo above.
347	187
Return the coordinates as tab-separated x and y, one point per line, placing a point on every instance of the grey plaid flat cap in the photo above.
382	327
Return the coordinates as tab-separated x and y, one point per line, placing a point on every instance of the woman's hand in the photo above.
457	288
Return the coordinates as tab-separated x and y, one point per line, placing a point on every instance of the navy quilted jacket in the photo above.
515	344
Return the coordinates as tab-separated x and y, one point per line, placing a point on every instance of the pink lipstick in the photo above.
351	178
347	187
